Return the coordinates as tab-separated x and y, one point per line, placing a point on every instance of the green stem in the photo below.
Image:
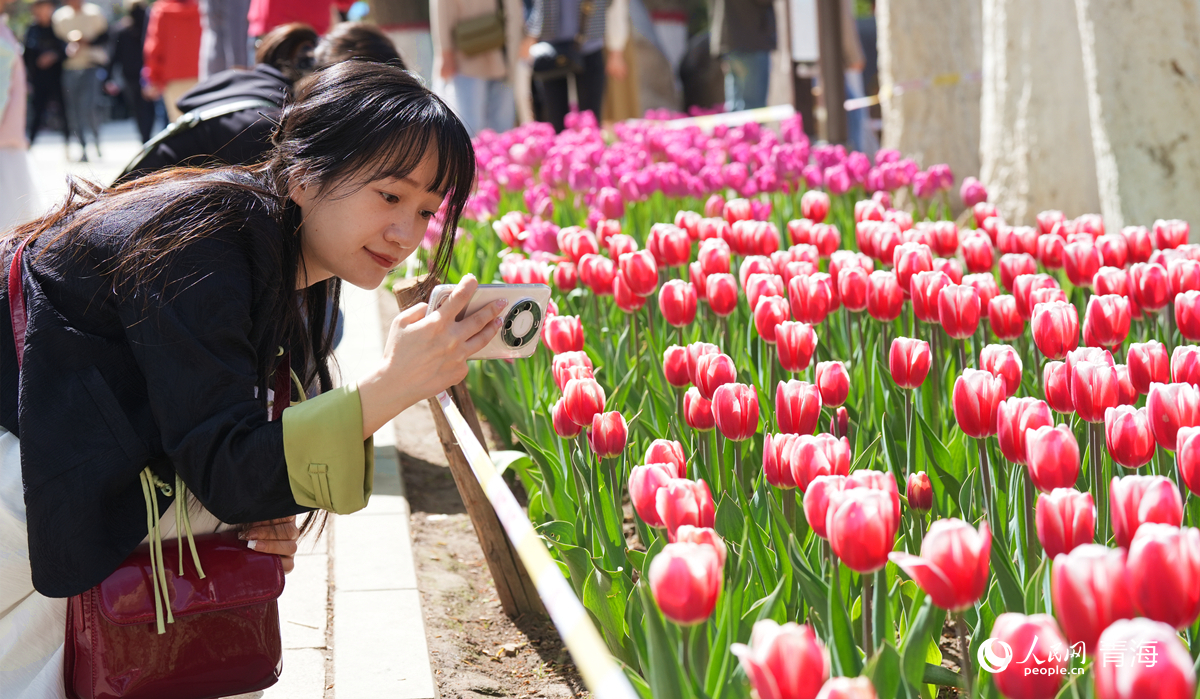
988	494
1097	485
964	648
868	640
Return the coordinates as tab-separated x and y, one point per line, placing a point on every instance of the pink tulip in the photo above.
783	662
953	566
685	579
1066	518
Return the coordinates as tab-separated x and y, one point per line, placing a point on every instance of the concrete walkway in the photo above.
350	612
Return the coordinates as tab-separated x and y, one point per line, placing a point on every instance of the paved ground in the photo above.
351	614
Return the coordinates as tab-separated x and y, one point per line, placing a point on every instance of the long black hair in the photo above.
347	125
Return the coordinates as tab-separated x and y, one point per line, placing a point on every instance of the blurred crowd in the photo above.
66	66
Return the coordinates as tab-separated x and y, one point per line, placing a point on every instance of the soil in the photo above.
475	648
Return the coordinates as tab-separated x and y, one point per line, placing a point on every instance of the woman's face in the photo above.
360	237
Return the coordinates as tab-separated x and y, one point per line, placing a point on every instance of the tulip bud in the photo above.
666	451
685	579
721	292
909	362
565	362
919	491
1023	288
1149	285
1135	500
976	397
1040	656
735	409
978	253
1013	417
784	662
1066	518
566	276
839	423
697	411
564	334
1170	234
584	399
564	426
1187	455
811	297
1055	328
624	297
675	366
1003	318
985	284
812	456
852	288
797	407
953	566
1090	590
833	381
859	524
884	297
1111	280
1050	249
1056	378
1183	275
795	344
770	312
608	434
1014	265
681	501
1107	320
848	688
816	501
1171	406
714	257
923	289
1081	260
1128	436
1053	457
814	205
1093	388
759	286
909	259
950	267
597	273
1143	659
706	536
677	302
776	459
1139	243
756	264
1147	364
1164	573
713	370
1185	365
644	483
1004	362
1187	314
640	271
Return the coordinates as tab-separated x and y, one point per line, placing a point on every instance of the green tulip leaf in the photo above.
846	662
884	672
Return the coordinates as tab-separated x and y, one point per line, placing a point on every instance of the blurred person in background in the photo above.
18	203
224	36
743	35
172	52
406	23
355	40
559	21
265	15
238	108
44	55
85	30
861	137
127	60
482	80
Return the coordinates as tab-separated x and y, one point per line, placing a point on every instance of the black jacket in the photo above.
239	138
165	378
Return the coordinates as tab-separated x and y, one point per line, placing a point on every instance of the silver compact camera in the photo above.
522	318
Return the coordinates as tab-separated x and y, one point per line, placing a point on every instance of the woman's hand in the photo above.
449	64
615	65
277	536
424	355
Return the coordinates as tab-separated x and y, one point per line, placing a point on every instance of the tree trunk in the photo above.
1036	146
929	65
1142	75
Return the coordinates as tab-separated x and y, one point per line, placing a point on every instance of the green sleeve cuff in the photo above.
329	464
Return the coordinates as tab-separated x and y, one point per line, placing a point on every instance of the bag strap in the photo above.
189	121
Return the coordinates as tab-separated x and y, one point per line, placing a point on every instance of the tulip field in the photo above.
796	432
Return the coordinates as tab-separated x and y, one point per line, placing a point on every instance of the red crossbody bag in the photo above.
206	628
